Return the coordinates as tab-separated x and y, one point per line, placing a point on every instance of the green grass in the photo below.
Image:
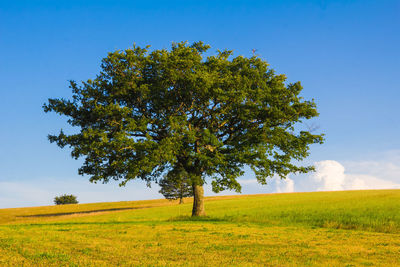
349	228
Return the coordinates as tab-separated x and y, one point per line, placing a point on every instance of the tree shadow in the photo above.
78	212
198	219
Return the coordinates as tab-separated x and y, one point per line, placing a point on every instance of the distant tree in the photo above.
148	113
65	199
176	185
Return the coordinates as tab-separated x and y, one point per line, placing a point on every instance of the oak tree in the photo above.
149	112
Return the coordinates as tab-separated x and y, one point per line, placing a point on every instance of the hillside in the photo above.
330	228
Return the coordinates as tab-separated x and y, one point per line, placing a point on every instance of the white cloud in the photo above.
274	185
360	181
330	175
384	165
245	182
284	186
379	172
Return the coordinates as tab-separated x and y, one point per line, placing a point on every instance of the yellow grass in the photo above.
354	228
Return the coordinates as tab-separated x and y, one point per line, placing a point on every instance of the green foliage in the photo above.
65	199
176	185
149	112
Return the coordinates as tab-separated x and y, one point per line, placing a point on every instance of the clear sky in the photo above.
345	53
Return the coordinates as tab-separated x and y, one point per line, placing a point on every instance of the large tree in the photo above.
149	112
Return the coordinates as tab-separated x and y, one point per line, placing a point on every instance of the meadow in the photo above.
347	228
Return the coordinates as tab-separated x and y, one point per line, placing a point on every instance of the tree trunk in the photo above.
198	201
180	200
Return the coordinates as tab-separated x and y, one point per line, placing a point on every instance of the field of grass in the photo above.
349	228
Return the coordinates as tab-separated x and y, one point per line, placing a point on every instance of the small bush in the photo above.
65	199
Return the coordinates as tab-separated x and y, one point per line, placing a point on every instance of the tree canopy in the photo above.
176	185
65	199
149	112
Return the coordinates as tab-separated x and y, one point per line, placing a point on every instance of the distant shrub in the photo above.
65	199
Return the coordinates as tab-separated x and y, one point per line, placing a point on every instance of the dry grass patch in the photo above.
359	228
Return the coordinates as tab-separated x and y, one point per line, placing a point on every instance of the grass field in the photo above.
349	228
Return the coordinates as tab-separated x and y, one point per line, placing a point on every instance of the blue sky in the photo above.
345	53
